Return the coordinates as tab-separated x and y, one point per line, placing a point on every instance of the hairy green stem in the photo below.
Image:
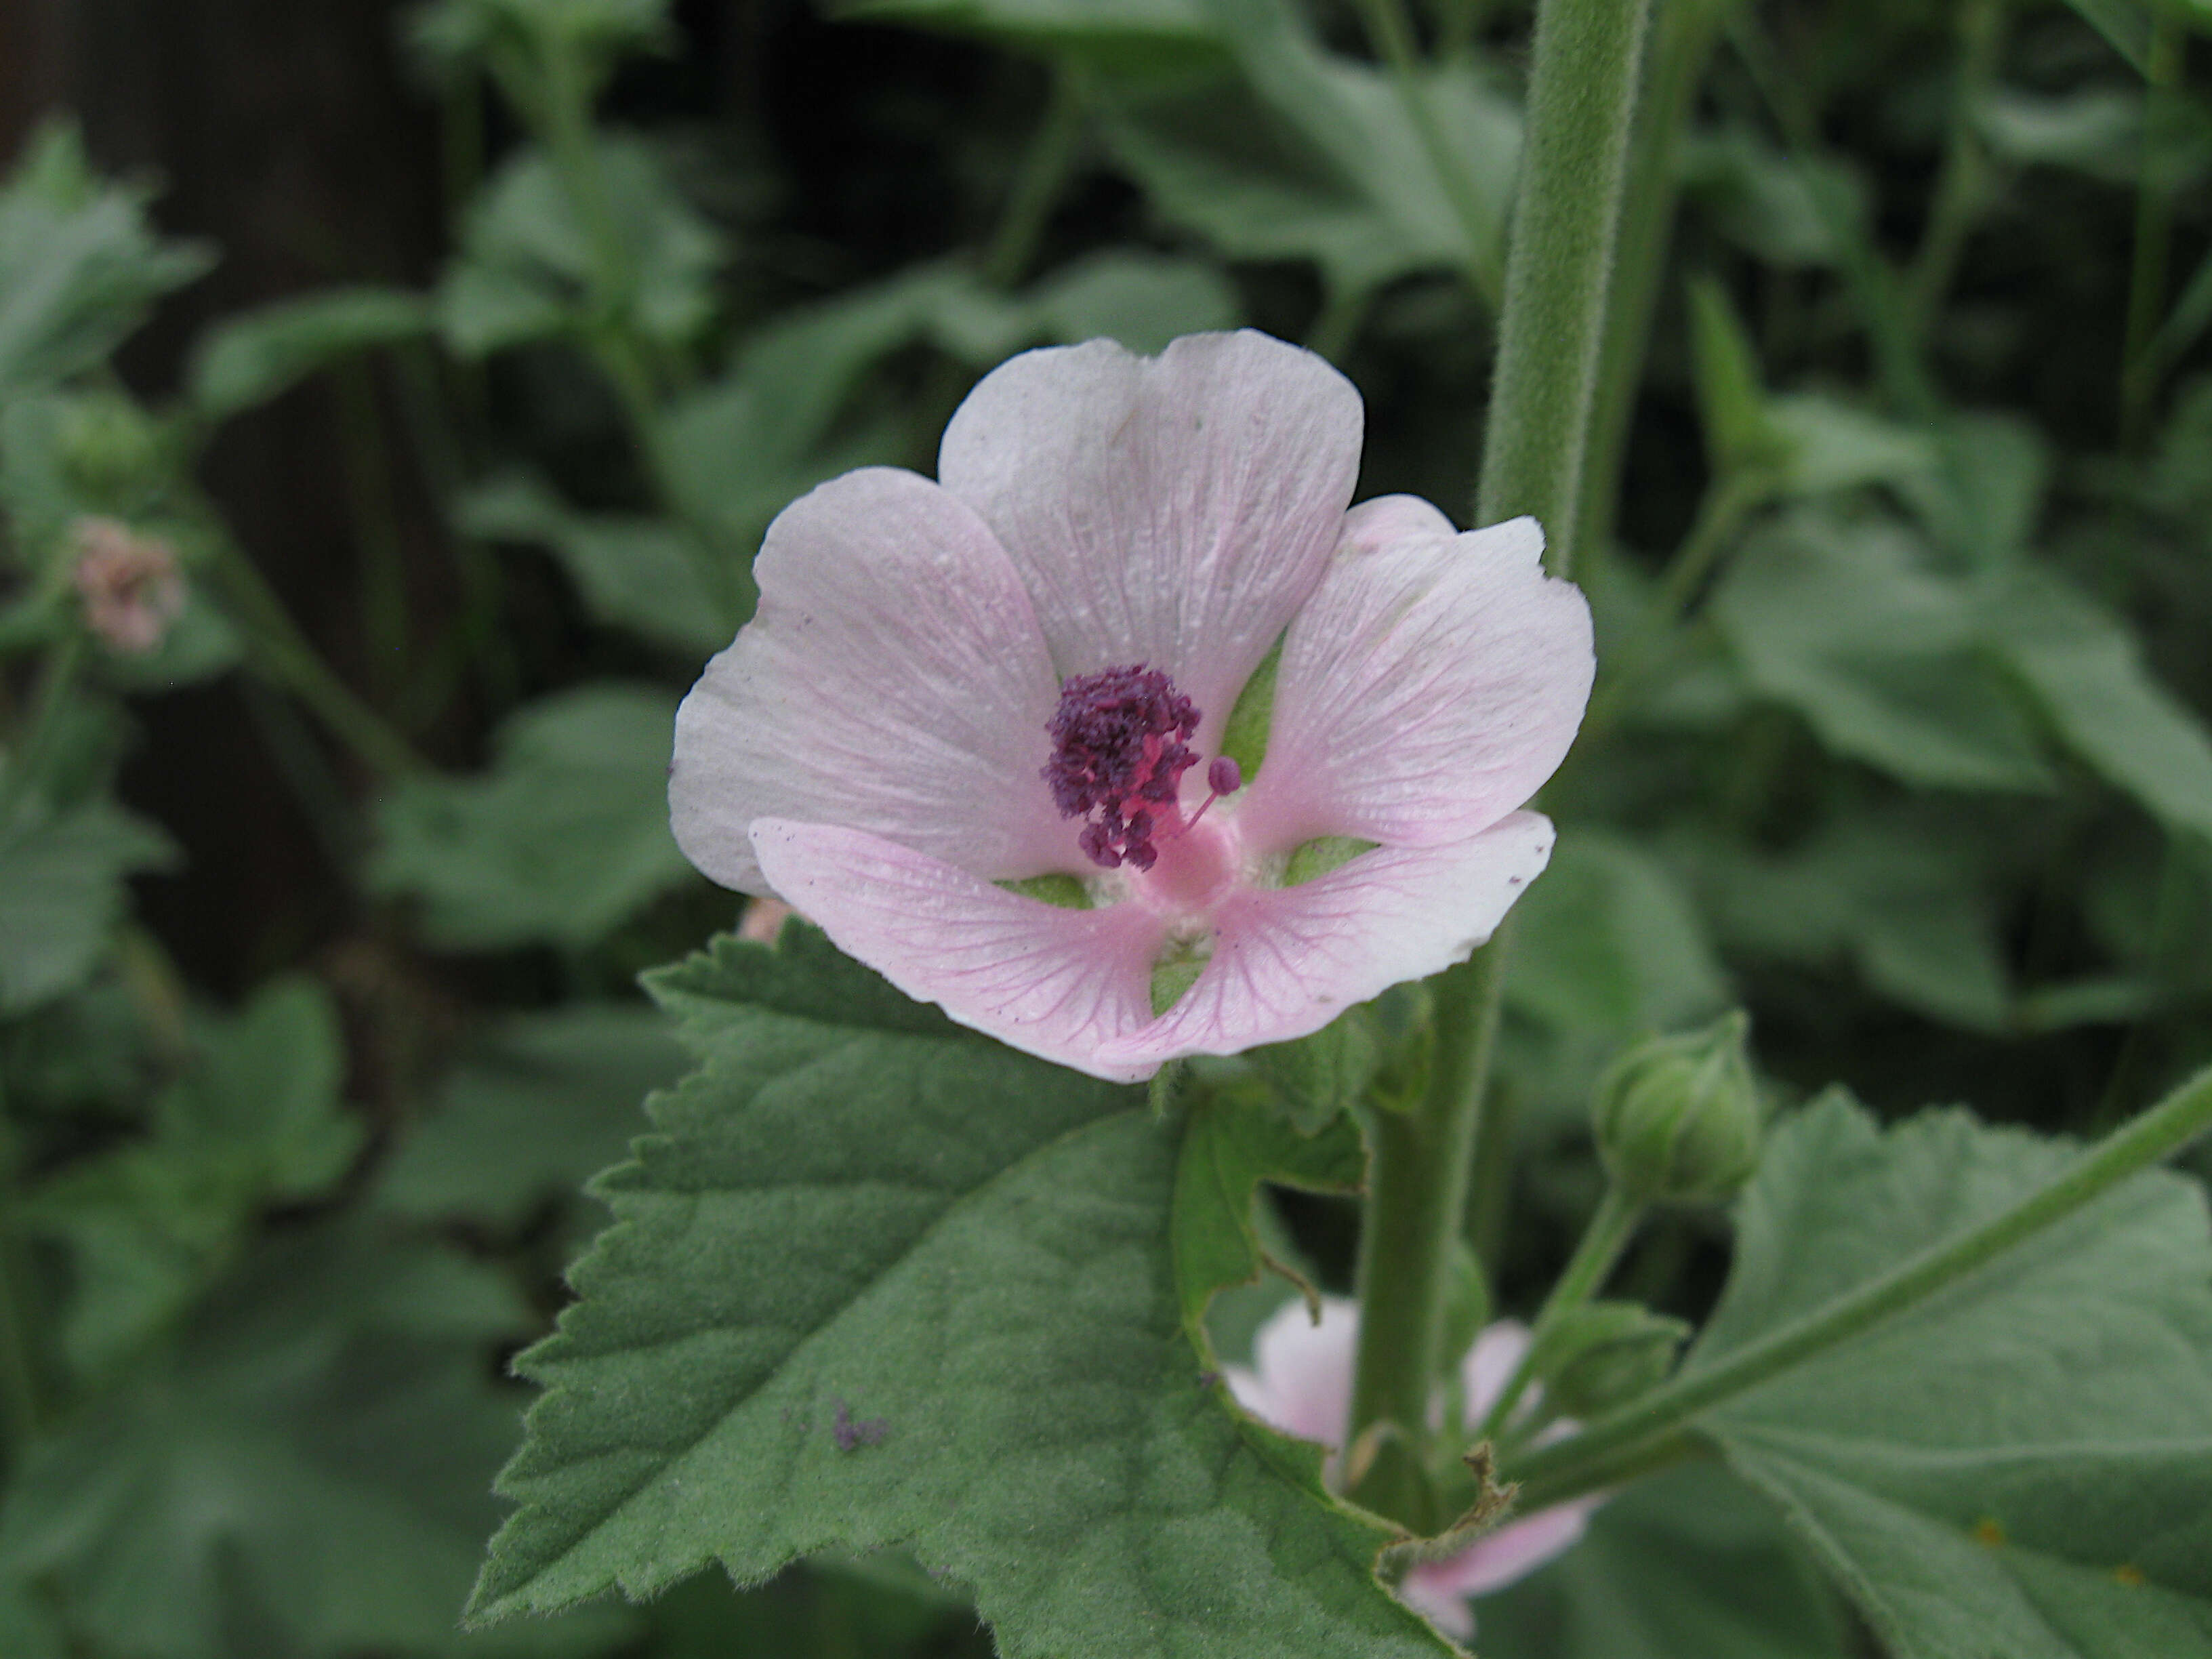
1961	185
1566	224
1683	37
1584	1461
632	365
26	758
1611	1226
277	649
1875	288
2153	231
1417	1184
1391	33
1044	173
21	1403
1582	101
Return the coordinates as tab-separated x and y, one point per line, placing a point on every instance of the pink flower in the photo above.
1026	668
1303	1386
129	583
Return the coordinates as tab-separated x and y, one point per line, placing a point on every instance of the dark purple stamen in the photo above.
1224	776
1119	750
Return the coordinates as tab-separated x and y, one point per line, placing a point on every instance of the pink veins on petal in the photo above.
1023	670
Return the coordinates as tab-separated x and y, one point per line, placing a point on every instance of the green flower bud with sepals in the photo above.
1679	1118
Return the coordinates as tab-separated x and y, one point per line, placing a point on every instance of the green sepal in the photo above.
1316	857
1230	1146
1055	887
1318	1076
1175	972
1244	739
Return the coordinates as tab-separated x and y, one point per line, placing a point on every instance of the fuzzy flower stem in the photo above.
1592	1457
1582	104
1610	1229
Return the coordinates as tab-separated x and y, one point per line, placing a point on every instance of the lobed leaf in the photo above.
877	1281
2022	1464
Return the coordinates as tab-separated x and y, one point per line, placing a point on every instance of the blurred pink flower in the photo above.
129	583
1026	668
1302	1384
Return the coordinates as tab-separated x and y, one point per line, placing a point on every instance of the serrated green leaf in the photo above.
304	1473
1689	1565
253	357
62	893
879	1280
2023	1463
1229	1148
1318	1076
559	841
1881	655
538	1105
79	265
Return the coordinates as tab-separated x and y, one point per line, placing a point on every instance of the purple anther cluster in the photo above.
1119	750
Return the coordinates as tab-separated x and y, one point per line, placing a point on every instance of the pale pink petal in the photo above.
1059	983
1287	961
1426	690
894	679
1302	1380
1489	1365
1513	1551
1173	511
1446	1609
1376	523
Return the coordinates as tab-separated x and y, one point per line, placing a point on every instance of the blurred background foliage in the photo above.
441	365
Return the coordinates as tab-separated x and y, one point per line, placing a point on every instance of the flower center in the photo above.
1119	747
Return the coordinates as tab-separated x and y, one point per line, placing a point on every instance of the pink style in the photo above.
1026	668
1301	1382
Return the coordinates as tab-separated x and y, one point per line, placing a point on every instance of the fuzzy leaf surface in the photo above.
879	1281
2022	1464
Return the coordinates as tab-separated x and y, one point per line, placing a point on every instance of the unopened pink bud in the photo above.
129	583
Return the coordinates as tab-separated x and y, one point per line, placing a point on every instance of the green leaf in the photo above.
1902	898
2023	1463
1761	199
1687	1565
251	357
305	1474
1229	1148
2087	675
1731	393
29	1628
1314	157
2127	24
258	1122
879	1280
640	574
1318	1077
559	842
2094	130
526	266
1846	624
1121	36
62	894
1610	946
79	265
538	1105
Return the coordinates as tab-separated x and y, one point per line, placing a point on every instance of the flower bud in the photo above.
107	446
1679	1118
1603	1354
